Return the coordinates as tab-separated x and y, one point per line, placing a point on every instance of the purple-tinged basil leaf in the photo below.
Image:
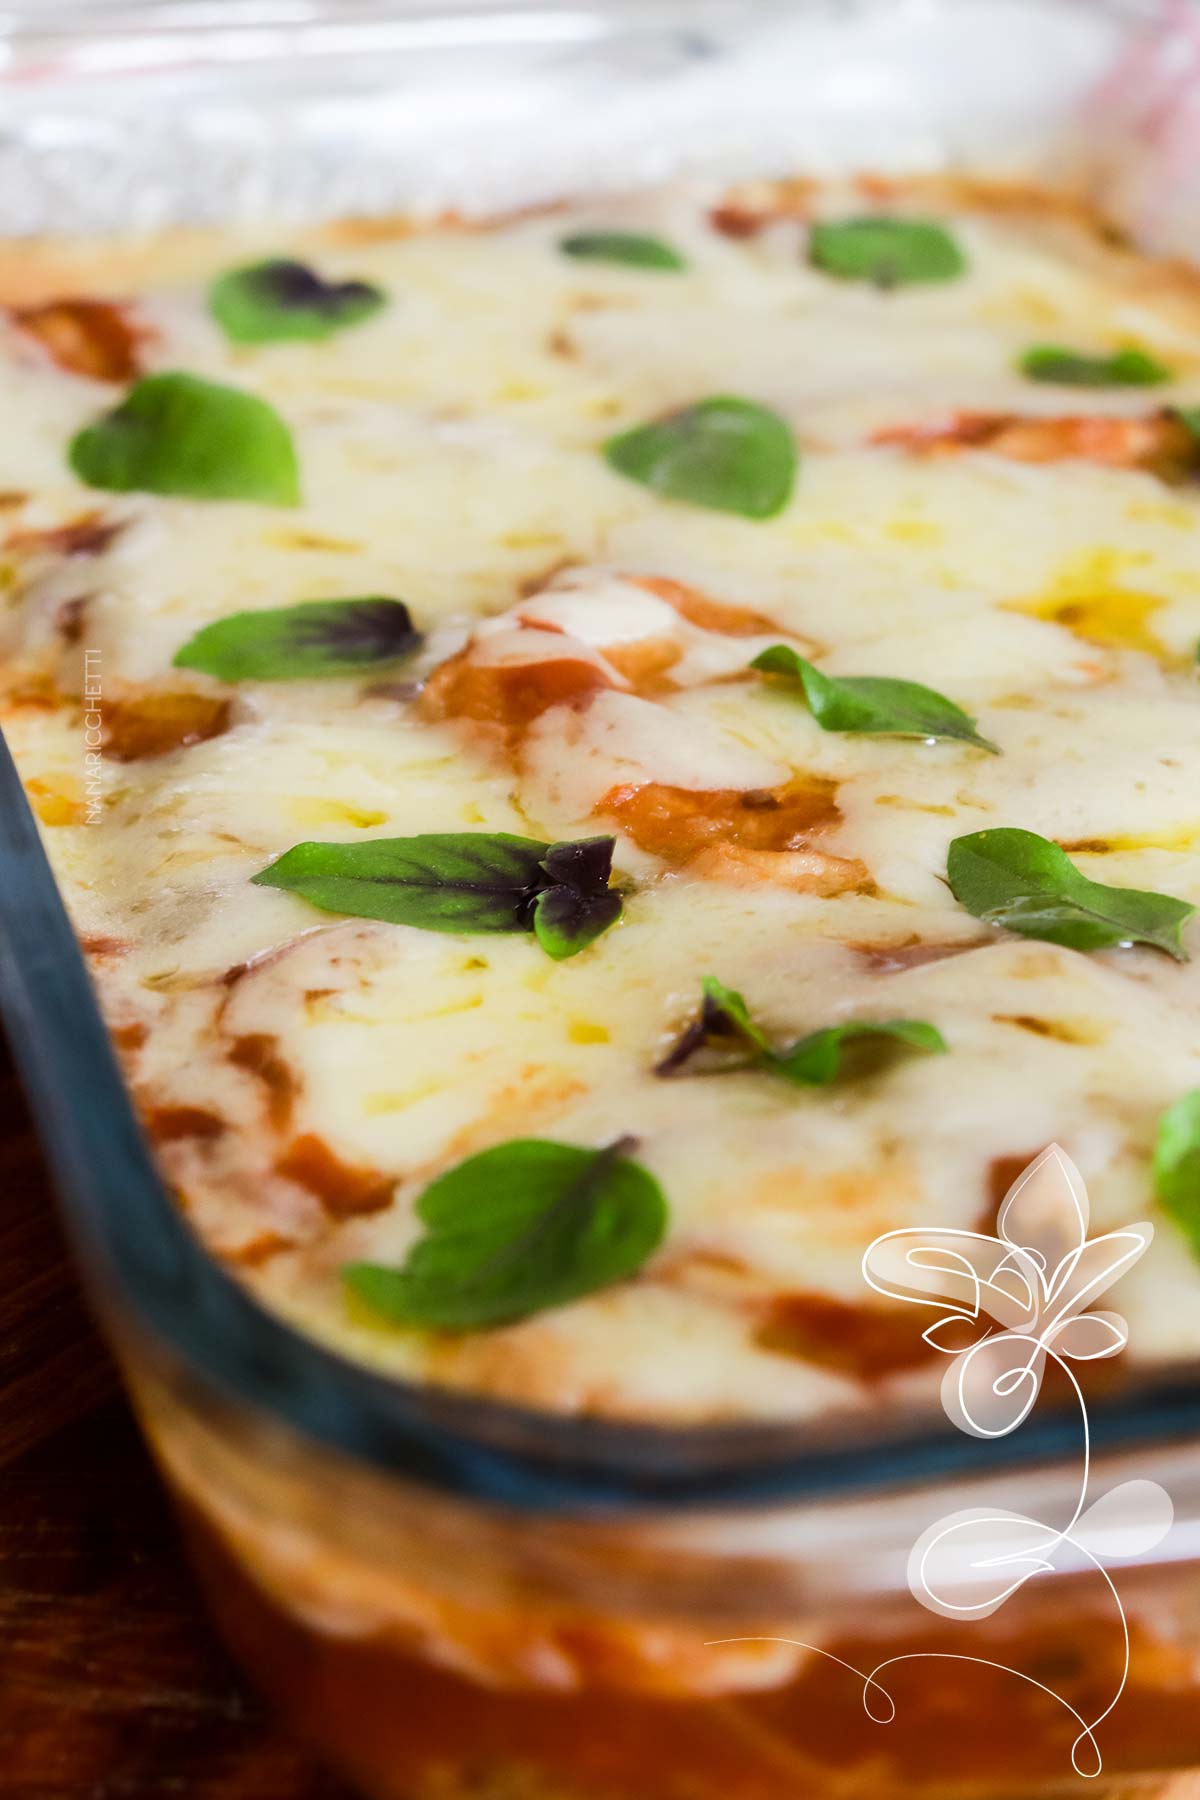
441	881
726	1015
308	642
274	301
582	863
725	1024
566	921
460	881
579	904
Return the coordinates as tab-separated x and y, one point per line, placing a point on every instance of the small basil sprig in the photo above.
724	453
1129	367
1029	885
632	248
724	1023
515	1230
889	252
873	705
271	302
178	434
1177	1165
461	881
573	902
318	638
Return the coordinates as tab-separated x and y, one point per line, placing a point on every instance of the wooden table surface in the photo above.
112	1684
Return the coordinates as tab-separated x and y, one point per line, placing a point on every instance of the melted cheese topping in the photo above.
585	669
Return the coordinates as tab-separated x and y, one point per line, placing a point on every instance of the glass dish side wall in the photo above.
432	1648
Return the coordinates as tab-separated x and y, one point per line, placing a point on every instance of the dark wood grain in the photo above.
112	1684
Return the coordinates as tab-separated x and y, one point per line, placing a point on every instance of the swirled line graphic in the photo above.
1009	1305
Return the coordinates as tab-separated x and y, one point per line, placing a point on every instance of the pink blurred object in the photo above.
1141	132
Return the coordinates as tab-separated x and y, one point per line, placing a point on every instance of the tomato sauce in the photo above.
1160	444
85	337
406	1729
154	724
345	1192
677	823
849	1337
506	698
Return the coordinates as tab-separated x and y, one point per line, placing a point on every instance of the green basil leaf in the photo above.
1177	1165
459	881
890	252
1130	367
1190	417
270	302
815	1061
178	434
724	453
630	247
516	1230
1029	885
316	639
873	705
441	881
818	1059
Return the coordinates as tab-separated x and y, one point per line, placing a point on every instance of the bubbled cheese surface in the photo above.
450	456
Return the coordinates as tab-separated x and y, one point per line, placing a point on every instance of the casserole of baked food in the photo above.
796	561
604	757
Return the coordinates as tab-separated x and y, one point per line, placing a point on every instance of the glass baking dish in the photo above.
454	1598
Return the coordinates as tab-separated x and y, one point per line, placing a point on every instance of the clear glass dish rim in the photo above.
161	1293
153	38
